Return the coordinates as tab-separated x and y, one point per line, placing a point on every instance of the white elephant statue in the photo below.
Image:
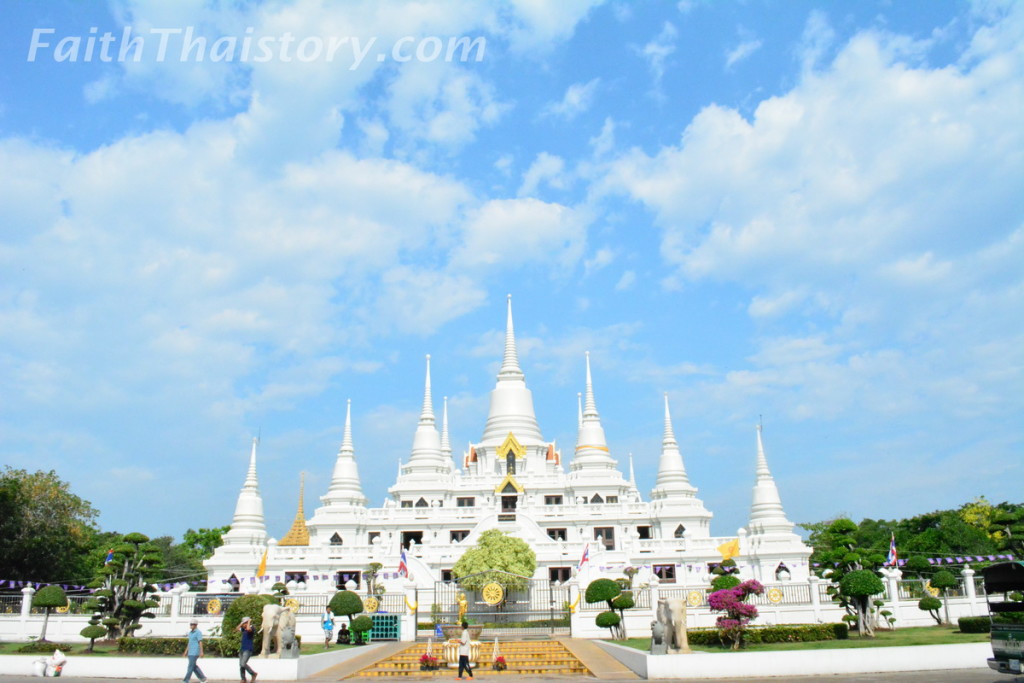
271	633
672	615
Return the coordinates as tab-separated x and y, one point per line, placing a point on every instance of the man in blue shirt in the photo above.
194	650
246	648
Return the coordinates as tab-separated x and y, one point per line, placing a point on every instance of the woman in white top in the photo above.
464	652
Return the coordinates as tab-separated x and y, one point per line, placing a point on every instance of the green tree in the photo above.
931	605
124	593
496	557
346	603
48	597
857	587
45	530
607	591
1007	528
944	580
837	554
246	606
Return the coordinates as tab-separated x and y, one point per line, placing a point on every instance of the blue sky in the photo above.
804	213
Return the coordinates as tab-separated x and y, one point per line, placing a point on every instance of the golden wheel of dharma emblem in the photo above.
493	593
775	595
292	604
213	607
694	598
370	604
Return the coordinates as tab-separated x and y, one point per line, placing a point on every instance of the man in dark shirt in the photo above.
245	652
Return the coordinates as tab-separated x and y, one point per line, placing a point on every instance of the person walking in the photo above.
194	650
245	651
327	623
464	651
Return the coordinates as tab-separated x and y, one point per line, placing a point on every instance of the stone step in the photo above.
533	658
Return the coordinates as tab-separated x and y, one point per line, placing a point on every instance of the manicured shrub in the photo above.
608	619
974	624
246	606
725	581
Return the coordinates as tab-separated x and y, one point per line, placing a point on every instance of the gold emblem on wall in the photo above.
213	606
775	595
292	604
694	598
493	593
370	604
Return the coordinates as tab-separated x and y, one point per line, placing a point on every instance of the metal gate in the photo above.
534	607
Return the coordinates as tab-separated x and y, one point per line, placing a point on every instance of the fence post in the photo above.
892	579
967	576
575	605
812	583
26	600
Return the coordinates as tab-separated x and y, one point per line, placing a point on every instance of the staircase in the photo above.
527	657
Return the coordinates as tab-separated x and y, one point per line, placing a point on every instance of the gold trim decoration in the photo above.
694	598
213	607
572	607
597	448
411	605
63	609
370	604
511	444
932	590
292	604
509	479
493	593
775	595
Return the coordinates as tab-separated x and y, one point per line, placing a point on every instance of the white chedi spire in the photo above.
346	488
591	446
426	443
766	513
248	526
672	479
446	446
511	409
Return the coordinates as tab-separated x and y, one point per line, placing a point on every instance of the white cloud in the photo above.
546	168
577	99
741	52
626	282
658	50
517	232
604	142
862	200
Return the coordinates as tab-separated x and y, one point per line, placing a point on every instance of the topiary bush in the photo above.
974	624
931	605
360	626
49	597
608	619
246	606
346	603
725	581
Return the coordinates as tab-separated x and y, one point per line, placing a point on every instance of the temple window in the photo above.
597	499
552	500
611	499
557	534
407	503
680	531
666	573
465	502
606	536
459	535
644	532
510	463
336	539
422	503
559	574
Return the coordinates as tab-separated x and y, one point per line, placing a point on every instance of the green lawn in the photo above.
918	635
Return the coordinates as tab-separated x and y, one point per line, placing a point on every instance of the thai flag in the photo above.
110	557
893	557
403	568
585	557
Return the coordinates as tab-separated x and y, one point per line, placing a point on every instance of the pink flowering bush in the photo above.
738	614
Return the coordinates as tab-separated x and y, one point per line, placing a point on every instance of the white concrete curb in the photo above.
801	663
173	668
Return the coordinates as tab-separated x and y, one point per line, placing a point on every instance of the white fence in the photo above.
781	603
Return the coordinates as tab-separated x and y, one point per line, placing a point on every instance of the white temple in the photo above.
513	480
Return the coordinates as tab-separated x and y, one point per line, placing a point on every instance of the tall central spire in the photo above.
510	362
511	408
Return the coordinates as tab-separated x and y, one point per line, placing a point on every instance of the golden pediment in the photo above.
511	444
509	480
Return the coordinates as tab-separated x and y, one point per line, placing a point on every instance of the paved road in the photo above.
985	675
